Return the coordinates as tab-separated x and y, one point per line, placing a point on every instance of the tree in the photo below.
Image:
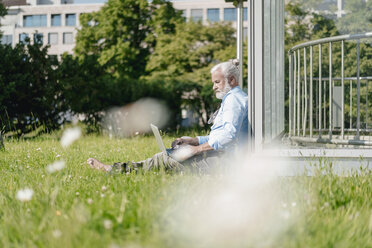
29	95
123	33
3	12
188	55
358	17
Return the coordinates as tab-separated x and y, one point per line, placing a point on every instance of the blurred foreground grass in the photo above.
81	207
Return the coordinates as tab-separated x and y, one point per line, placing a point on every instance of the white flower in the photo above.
56	166
107	224
102	195
38	149
70	135
294	204
58	156
77	193
103	188
90	201
24	194
57	233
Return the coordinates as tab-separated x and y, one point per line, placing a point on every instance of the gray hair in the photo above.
229	68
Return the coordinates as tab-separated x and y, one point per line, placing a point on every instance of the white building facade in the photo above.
56	22
53	22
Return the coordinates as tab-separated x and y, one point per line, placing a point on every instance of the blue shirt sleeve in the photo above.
202	139
231	121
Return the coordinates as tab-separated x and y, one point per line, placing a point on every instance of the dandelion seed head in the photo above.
107	224
25	195
70	135
135	118
56	166
56	233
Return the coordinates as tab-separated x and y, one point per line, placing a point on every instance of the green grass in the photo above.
330	211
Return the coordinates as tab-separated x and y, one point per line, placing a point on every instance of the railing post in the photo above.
351	104
311	92
294	92
342	92
330	90
366	104
320	90
290	93
305	96
298	92
367	117
358	92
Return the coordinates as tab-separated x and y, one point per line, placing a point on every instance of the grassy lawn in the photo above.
81	207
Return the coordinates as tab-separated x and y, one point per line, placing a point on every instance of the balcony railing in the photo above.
325	106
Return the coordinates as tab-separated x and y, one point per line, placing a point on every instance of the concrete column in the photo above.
49	20
205	19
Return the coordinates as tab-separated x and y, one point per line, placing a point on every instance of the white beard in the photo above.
221	94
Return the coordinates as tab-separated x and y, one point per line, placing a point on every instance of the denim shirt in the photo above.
230	126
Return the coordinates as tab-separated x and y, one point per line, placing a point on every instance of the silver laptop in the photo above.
158	138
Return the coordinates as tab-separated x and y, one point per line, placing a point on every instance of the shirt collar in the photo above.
235	89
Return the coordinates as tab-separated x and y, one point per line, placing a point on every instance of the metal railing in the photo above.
325	107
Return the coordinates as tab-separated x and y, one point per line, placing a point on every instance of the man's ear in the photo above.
232	81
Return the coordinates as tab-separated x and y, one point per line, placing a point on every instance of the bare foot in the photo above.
94	163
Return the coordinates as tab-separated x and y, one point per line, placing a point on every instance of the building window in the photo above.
56	20
213	15
245	14
35	21
327	5
196	15
23	38
229	14
68	38
70	19
38	38
7	39
53	38
183	13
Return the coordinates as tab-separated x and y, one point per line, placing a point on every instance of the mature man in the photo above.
229	130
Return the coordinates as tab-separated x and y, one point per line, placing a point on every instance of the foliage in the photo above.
3	12
70	208
358	18
30	95
188	55
123	33
89	90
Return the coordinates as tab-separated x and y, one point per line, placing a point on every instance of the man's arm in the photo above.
185	140
188	151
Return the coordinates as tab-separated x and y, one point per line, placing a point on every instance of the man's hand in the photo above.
188	151
185	140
